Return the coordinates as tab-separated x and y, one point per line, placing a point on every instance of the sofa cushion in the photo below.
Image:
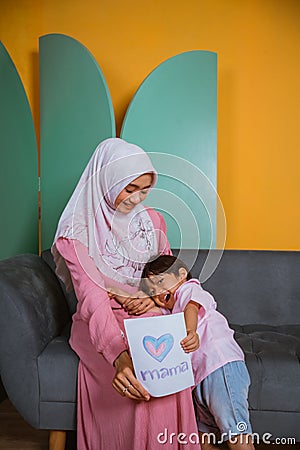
251	286
272	357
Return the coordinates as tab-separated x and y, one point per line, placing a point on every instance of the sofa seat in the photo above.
61	363
57	367
271	354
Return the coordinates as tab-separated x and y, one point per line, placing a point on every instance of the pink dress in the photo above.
106	420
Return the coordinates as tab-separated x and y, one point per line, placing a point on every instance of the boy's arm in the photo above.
191	342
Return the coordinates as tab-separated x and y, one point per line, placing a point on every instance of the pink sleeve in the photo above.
192	290
161	232
93	301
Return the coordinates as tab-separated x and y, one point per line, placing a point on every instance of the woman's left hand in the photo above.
138	304
125	381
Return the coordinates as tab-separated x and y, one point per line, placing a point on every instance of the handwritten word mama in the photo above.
157	374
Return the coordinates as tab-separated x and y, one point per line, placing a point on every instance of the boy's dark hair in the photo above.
163	264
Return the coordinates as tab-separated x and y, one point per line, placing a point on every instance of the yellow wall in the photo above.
258	44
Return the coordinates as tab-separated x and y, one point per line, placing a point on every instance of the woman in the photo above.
104	238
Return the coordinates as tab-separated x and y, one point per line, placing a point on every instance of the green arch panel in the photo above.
76	114
18	165
175	111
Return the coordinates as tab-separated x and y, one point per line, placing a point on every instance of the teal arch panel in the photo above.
175	112
76	114
18	165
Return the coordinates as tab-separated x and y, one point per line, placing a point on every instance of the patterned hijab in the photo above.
120	244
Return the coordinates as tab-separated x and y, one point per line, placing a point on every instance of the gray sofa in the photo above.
2	392
258	292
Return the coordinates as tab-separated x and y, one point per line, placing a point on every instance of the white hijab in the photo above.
120	244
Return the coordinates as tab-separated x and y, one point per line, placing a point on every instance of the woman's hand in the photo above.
118	294
191	342
138	303
125	382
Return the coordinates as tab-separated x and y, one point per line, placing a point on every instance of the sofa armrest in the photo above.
33	311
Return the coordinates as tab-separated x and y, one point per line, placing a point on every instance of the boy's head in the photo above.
161	278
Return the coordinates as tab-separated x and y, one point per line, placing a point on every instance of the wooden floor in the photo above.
16	434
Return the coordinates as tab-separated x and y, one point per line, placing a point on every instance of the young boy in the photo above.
221	376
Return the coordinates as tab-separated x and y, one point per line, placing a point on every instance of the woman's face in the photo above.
134	193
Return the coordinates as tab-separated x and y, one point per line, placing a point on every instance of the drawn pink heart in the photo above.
155	351
158	348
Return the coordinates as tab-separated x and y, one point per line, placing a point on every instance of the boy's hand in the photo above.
191	342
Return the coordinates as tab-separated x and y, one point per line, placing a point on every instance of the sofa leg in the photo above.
57	440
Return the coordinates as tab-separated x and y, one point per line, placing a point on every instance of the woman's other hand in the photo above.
118	294
125	382
139	303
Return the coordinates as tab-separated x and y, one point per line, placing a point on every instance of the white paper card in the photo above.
160	364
